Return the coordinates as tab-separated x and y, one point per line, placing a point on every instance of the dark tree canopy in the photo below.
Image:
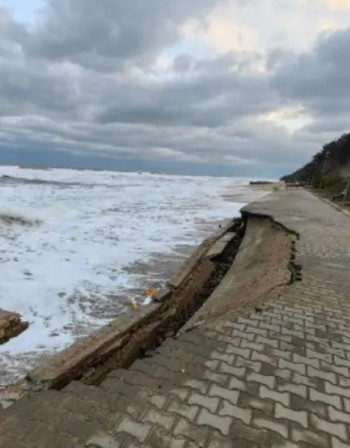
332	164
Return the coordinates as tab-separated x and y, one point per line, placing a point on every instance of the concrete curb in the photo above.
332	204
198	253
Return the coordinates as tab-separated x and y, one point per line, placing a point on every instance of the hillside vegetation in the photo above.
329	168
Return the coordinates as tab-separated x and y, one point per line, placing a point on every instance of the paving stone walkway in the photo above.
275	379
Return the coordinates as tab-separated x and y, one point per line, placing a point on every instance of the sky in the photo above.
219	87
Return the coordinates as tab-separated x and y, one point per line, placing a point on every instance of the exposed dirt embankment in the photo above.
263	267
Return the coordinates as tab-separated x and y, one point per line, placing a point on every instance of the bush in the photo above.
334	183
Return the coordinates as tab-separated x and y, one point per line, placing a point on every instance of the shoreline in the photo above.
157	271
243	195
95	248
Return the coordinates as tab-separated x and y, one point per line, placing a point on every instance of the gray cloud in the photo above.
319	82
12	35
84	82
318	79
109	33
212	93
28	87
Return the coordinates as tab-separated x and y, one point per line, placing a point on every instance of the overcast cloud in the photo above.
251	87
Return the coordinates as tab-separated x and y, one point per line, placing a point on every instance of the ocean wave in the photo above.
14	215
5	179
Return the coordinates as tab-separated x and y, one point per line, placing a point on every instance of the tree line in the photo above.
329	168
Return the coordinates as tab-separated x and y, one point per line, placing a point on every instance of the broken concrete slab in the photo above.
11	325
220	245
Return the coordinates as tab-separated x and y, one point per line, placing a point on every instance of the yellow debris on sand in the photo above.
151	292
134	304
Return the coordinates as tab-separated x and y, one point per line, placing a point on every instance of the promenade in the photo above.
276	375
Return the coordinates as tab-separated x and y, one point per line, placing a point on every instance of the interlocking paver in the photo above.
289	414
160	419
277	378
196	433
253	365
299	368
182	409
314	439
336	443
330	399
338	370
215	421
280	397
236	412
335	429
230	395
102	440
336	390
211	403
336	415
264	358
139	431
160	439
234	371
302	379
268	381
247	401
317	373
238	384
271	424
297	389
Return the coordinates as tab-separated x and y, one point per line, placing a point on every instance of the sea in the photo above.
79	247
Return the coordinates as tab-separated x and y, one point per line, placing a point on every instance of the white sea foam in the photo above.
85	230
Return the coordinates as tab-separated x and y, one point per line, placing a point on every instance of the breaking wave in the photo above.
13	215
5	179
